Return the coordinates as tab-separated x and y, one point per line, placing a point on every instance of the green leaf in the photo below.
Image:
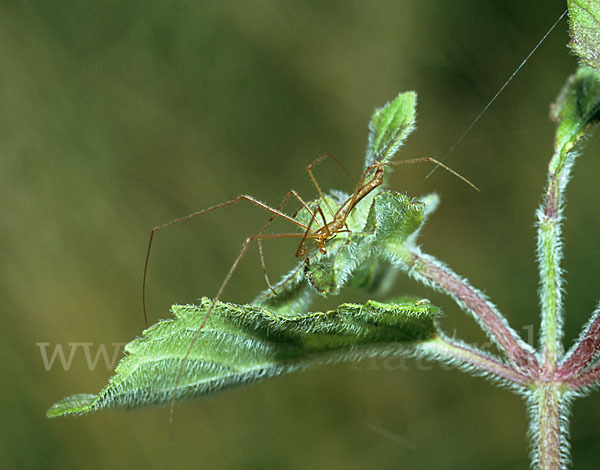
389	127
244	343
576	108
382	226
295	292
391	226
584	19
381	220
291	294
398	217
72	405
352	253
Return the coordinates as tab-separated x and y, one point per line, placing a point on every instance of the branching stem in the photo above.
435	274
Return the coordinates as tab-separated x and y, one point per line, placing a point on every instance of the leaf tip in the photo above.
389	126
72	405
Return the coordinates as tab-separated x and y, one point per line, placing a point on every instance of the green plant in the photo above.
276	334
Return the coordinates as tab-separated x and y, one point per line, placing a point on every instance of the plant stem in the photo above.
549	256
435	274
587	379
548	426
549	418
471	359
574	111
585	349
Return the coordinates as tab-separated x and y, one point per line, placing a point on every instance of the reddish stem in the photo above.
585	351
492	321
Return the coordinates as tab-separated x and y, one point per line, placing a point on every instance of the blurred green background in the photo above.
119	116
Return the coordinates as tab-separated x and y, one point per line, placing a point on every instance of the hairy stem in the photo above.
549	256
435	274
584	380
584	351
471	359
548	407
549	419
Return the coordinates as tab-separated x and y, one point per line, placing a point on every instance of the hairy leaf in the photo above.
274	335
242	344
351	252
382	220
392	220
584	19
389	127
